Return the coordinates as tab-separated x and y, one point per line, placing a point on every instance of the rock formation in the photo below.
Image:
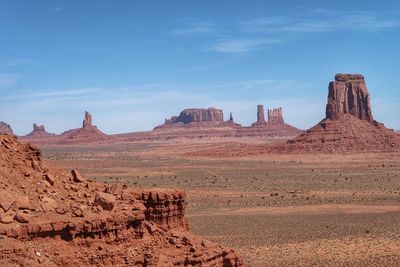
348	94
39	132
47	218
5	128
349	124
198	118
87	134
198	115
275	116
260	115
230	117
87	122
275	126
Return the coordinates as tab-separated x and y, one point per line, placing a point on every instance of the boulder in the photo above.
78	178
105	201
50	178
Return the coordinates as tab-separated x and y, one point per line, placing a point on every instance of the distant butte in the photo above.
39	131
5	128
349	125
198	117
88	133
275	125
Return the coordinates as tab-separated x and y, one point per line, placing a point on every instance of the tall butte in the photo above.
275	126
88	133
348	94
349	125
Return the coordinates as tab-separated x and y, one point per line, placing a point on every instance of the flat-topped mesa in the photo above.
275	116
197	115
5	128
348	94
87	122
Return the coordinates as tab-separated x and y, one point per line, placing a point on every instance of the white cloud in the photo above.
7	80
254	34
318	24
196	29
241	45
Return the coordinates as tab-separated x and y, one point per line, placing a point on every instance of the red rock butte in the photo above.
198	118
53	218
5	128
275	126
348	94
88	133
348	125
38	132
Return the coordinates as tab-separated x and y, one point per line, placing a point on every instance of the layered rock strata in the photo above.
197	118
47	217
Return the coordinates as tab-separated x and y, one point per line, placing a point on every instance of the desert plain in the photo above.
273	209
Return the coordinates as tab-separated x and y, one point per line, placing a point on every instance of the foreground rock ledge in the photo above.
48	219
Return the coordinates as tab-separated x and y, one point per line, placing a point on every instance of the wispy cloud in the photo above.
11	64
202	28
242	44
343	22
7	79
263	32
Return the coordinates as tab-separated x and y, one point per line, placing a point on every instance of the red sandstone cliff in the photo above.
51	218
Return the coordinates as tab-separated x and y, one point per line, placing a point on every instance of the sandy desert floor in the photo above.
276	210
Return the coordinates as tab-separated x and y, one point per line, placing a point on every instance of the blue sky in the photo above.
133	63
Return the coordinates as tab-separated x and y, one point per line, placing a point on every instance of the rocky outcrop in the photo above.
348	94
48	218
197	115
275	116
87	134
5	128
39	132
230	117
87	122
197	118
260	115
348	126
275	126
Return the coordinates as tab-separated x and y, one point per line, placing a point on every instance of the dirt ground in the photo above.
275	210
